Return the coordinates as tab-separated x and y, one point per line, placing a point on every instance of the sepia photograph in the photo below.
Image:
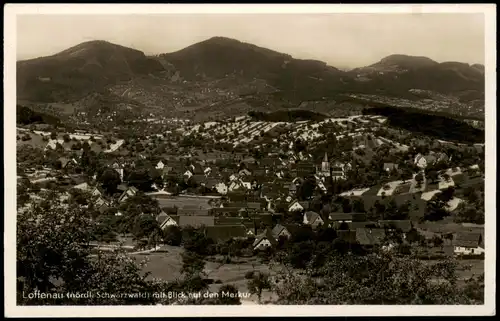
250	159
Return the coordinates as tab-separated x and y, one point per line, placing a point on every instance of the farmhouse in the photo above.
468	243
264	241
313	219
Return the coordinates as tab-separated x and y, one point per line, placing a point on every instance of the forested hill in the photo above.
423	122
26	116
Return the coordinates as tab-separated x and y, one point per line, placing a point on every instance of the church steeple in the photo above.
325	166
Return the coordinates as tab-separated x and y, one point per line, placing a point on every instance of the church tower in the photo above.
325	166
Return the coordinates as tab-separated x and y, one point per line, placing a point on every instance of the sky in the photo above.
342	40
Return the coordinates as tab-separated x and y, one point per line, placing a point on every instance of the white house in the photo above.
165	220
188	174
295	207
221	188
468	244
313	219
160	165
264	241
131	191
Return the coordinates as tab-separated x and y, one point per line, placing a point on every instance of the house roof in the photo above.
225	232
311	217
404	225
228	220
468	239
267	234
367	236
354	225
277	230
192	212
340	216
196	221
390	166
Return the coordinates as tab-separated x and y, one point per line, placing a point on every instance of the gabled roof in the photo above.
340	216
404	225
311	217
192	211
196	221
267	234
468	239
277	230
225	232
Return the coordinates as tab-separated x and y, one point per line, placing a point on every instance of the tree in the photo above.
52	245
306	189
228	295
192	264
358	206
258	283
432	175
378	278
110	179
141	179
172	235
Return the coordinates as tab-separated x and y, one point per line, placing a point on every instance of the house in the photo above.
295	206
226	232
65	162
196	221
264	241
389	167
423	161
97	191
244	172
160	165
192	212
340	217
313	219
370	236
187	174
280	231
83	187
468	243
164	220
404	226
305	168
236	185
221	188
339	170
130	192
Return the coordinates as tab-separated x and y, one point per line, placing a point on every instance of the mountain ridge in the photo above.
258	76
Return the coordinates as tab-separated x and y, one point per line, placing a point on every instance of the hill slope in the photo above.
221	74
79	70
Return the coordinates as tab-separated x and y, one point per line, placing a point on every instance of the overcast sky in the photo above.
341	40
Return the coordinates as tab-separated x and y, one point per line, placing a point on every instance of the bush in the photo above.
249	275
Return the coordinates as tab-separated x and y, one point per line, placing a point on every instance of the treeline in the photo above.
27	116
287	116
434	125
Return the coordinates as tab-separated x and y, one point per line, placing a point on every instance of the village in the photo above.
260	184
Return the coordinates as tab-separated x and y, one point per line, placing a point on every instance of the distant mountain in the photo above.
397	74
219	74
219	57
79	70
